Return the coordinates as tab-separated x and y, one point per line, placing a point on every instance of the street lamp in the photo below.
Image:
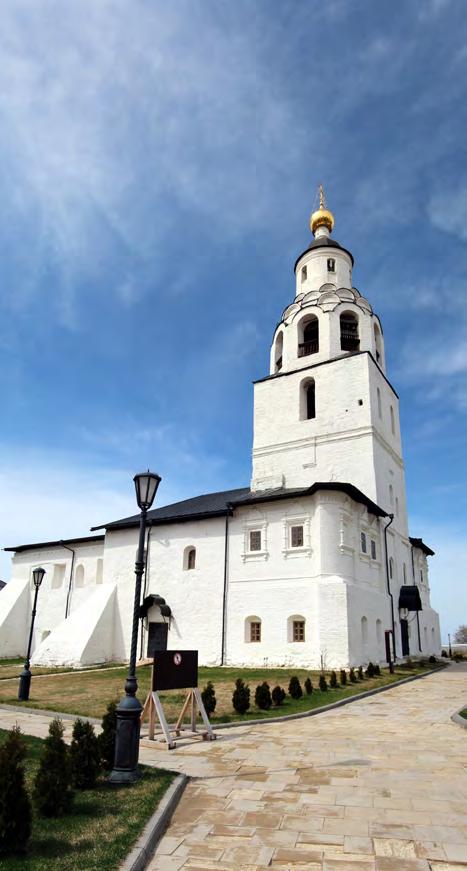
25	676
125	768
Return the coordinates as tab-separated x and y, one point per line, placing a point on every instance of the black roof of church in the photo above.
222	503
418	542
324	242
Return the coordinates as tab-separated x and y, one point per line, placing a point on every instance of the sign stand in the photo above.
153	710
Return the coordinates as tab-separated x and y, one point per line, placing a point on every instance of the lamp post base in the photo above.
125	768
24	684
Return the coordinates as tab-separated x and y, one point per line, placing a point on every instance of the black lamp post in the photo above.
25	676
125	768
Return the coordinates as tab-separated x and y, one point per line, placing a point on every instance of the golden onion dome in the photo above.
322	217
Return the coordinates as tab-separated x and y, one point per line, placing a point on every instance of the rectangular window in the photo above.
298	630
331	264
363	542
296	536
373	549
255	539
255	631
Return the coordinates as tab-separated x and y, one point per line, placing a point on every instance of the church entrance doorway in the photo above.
405	637
157	638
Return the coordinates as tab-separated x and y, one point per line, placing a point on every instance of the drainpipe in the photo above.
67	606
224	595
388	524
415	583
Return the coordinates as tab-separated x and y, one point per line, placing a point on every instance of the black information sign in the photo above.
175	670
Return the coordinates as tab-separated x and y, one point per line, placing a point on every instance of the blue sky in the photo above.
158	163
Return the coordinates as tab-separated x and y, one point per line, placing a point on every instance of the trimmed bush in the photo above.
278	695
370	670
295	688
15	805
377	670
343	677
360	672
263	698
308	686
84	755
323	684
106	738
53	794
352	676
209	698
444	654
241	697
432	659
333	680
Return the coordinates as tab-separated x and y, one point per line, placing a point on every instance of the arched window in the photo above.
379	632
391	567
404	572
278	351
350	340
364	631
296	628
393	425
425	636
79	576
378	344
307	399
308	340
189	558
433	635
391	495
397	506
253	630
99	571
378	394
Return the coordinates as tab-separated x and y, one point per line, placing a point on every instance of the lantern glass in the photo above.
146	484
37	576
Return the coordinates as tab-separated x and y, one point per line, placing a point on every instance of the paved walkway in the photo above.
378	785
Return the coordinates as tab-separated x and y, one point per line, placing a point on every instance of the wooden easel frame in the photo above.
153	709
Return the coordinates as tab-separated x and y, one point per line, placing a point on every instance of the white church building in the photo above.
312	564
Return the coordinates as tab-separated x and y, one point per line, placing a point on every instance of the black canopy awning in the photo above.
409	598
152	600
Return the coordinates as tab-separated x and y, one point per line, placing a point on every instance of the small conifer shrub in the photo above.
333	680
432	659
308	686
263	699
53	793
343	677
352	676
295	688
278	696
241	696
106	738
370	671
15	805
360	672
209	698
323	684
377	670
84	755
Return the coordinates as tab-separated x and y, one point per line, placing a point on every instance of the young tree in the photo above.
106	738
295	689
308	686
84	755
209	698
241	697
263	699
278	696
15	805
53	794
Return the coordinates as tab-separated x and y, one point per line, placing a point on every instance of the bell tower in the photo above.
326	411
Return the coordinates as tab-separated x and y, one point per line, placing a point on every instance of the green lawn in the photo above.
100	831
87	694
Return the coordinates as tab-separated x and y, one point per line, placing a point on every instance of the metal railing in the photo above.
306	348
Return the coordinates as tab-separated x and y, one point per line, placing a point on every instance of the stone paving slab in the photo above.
379	785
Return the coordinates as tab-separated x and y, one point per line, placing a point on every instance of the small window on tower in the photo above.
363	542
331	264
255	539
296	536
304	273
